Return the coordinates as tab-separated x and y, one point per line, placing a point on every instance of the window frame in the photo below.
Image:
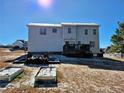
54	30
94	31
86	32
69	30
43	31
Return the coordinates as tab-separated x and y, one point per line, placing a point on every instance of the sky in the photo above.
16	14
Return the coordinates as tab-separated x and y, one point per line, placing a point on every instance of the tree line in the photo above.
117	40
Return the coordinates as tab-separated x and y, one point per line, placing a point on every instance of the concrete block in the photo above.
46	77
9	73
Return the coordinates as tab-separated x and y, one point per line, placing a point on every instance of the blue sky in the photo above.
15	14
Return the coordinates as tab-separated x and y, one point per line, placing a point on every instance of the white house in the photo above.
52	37
20	44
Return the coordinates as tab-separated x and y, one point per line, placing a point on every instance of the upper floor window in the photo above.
86	31
69	30
94	31
43	31
54	30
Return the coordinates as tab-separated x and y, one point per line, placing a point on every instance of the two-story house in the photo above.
52	37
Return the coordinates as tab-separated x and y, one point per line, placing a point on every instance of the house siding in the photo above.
53	42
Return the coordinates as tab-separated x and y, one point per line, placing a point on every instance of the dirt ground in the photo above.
72	78
6	56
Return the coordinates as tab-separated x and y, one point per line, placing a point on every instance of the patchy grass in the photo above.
74	78
118	59
6	55
3	64
32	90
60	76
80	79
114	58
23	78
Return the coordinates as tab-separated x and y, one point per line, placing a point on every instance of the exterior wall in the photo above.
69	36
85	39
53	42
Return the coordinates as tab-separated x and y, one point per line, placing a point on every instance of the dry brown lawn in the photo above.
32	90
118	59
3	64
6	55
71	79
80	79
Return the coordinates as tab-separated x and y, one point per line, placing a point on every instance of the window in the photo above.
69	30
43	31
86	31
79	42
54	30
66	42
92	44
94	31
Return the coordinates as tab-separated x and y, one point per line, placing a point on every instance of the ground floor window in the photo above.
92	43
66	42
79	42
